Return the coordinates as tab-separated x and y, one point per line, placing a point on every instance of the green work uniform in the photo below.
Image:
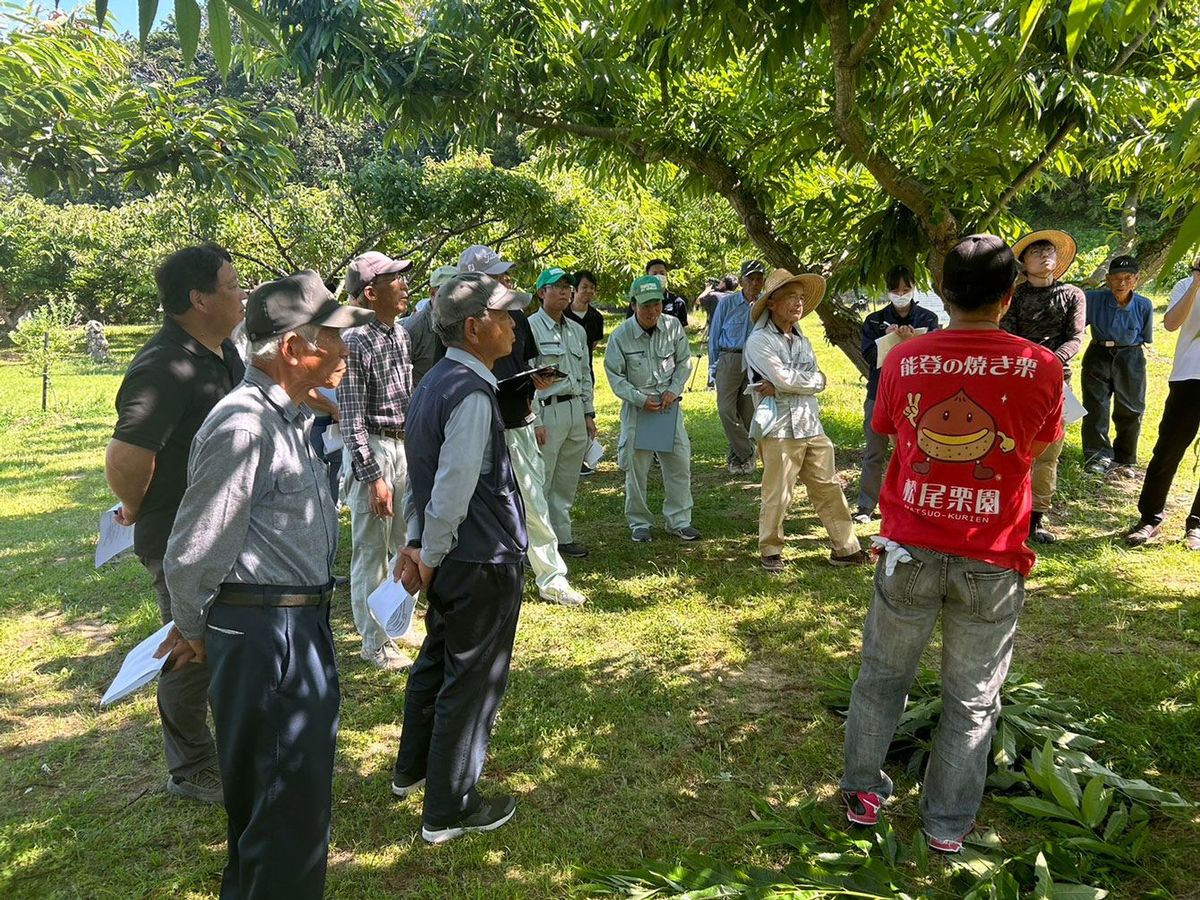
639	364
561	409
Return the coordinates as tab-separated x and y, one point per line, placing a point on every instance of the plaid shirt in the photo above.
375	391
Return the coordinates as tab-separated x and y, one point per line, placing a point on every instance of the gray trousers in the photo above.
871	480
734	407
182	700
979	605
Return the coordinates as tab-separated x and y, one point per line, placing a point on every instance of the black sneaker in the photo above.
404	786
493	813
573	550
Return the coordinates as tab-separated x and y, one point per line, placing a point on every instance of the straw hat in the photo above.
1063	243
814	291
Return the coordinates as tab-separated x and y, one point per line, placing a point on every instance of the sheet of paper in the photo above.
887	342
138	669
656	430
392	606
1073	410
332	438
595	453
115	538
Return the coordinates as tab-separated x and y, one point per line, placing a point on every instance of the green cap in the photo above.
646	289
441	275
552	276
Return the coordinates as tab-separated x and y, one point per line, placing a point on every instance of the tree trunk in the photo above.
1128	234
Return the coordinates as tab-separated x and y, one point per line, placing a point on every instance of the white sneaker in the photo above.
563	596
387	658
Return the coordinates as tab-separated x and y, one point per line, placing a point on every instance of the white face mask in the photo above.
900	300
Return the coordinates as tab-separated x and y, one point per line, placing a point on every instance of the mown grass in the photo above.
638	727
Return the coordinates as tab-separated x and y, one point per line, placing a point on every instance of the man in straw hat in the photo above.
648	361
1048	312
792	442
466	530
727	369
969	408
249	568
1114	369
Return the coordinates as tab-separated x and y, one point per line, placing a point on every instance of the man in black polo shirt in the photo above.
169	389
673	304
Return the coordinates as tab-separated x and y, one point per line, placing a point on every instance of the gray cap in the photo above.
280	306
478	258
369	266
469	294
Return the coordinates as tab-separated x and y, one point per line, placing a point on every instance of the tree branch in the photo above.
1026	175
879	17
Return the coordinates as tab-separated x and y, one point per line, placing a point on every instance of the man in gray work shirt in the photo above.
249	569
466	529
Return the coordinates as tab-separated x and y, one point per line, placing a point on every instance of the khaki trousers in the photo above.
811	461
548	567
562	454
1045	476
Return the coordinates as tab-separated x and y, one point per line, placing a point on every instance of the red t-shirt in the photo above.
966	407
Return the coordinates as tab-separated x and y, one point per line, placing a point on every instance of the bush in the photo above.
46	335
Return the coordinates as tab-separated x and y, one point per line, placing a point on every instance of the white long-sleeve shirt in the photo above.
788	362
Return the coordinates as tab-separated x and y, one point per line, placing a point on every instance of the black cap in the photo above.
284	305
1124	264
981	265
753	267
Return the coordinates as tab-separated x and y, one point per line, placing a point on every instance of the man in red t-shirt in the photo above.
969	408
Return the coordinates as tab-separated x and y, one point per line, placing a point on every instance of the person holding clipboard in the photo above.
648	361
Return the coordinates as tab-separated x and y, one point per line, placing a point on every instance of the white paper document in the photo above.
115	538
332	437
1073	410
595	453
887	342
138	669
392	606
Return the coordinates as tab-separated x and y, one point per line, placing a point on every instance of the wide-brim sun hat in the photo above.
1063	243
814	291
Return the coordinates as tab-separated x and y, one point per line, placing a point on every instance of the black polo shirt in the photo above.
168	391
516	398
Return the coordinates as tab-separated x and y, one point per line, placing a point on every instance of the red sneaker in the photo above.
862	807
948	845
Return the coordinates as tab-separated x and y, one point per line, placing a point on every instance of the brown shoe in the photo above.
773	564
1192	538
857	558
1143	534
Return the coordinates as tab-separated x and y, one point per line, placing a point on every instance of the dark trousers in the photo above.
1176	432
182	700
455	686
1116	374
274	691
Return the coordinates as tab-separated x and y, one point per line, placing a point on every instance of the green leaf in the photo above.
1045	884
1096	801
1061	890
1116	823
1004	745
147	9
1042	809
187	26
220	35
1030	16
101	12
1189	237
1136	12
1079	18
1065	788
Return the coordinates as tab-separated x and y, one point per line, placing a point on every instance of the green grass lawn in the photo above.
639	727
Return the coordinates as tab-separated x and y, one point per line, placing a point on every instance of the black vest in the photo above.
494	529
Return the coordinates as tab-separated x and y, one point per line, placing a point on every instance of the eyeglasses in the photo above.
389	277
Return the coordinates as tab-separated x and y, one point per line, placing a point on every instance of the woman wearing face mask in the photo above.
901	315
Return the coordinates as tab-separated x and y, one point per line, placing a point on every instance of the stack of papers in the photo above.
595	453
138	669
392	606
115	538
887	342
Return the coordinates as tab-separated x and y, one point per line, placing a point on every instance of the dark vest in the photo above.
494	529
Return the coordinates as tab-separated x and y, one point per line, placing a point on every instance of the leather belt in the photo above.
1113	345
264	595
561	398
728	351
396	434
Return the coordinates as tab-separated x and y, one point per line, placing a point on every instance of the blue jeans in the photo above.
979	605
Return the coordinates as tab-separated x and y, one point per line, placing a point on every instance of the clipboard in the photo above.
656	430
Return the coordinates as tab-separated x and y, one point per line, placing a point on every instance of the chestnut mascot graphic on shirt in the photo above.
957	430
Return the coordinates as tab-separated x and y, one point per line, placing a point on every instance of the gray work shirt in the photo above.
468	431
257	508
